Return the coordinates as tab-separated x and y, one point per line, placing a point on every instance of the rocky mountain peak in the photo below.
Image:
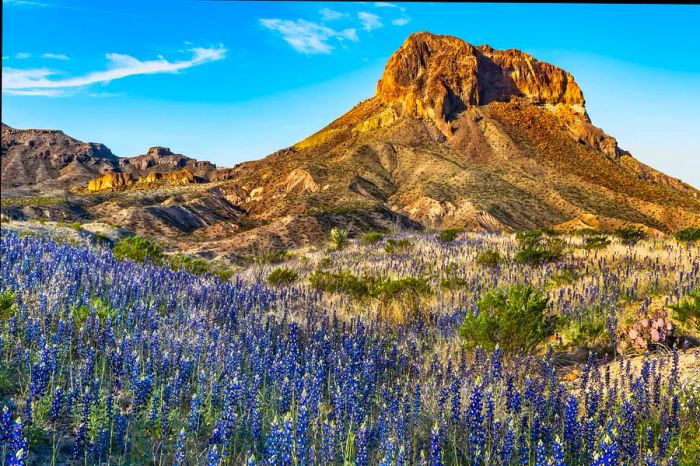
159	151
438	76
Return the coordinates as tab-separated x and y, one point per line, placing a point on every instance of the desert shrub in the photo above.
536	248
563	277
281	276
648	331
339	237
688	234
596	242
340	282
448	235
7	304
325	262
139	249
101	307
199	266
489	258
452	281
195	265
270	257
398	246
401	287
688	309
630	234
370	286
514	319
586	232
592	329
373	237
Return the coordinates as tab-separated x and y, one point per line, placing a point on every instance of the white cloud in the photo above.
329	15
55	56
401	21
23	55
384	5
23	2
306	36
43	81
369	20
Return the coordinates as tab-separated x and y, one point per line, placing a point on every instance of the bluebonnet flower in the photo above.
180	449
213	456
5	424
17	454
435	446
280	443
361	446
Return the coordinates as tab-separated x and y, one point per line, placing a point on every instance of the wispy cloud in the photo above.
55	56
369	20
23	55
307	36
45	82
329	15
23	2
400	21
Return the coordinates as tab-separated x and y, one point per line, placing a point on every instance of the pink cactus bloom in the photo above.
645	322
655	335
633	334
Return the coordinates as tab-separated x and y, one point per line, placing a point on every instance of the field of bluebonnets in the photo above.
386	351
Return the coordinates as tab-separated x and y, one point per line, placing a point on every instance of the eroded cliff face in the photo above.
111	182
436	77
121	181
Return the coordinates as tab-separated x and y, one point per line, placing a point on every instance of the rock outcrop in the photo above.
162	159
111	182
121	181
437	77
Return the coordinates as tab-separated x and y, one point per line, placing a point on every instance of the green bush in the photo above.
199	266
688	234
281	276
7	304
590	330
139	249
270	257
688	310
341	282
630	234
596	242
489	258
566	276
402	287
535	248
193	265
373	237
451	281
339	237
384	289
449	235
586	232
514	319
398	246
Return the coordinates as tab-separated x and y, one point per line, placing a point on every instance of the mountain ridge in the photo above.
455	135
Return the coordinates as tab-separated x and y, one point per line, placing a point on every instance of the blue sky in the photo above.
234	81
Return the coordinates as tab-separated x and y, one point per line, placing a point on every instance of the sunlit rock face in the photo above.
436	77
